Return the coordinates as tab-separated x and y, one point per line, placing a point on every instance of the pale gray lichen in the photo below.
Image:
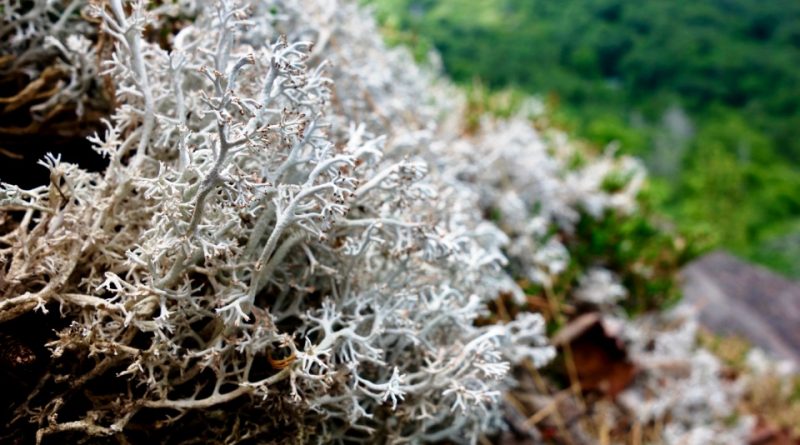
247	213
292	235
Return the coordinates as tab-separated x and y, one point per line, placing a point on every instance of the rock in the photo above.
738	298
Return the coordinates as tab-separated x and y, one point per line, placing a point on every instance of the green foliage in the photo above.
705	92
482	101
645	256
640	249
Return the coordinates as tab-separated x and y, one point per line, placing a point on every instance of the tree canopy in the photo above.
706	92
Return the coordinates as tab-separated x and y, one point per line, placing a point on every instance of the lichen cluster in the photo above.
294	238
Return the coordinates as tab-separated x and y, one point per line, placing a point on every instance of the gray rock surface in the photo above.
739	298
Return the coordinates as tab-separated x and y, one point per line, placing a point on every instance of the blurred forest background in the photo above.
707	93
